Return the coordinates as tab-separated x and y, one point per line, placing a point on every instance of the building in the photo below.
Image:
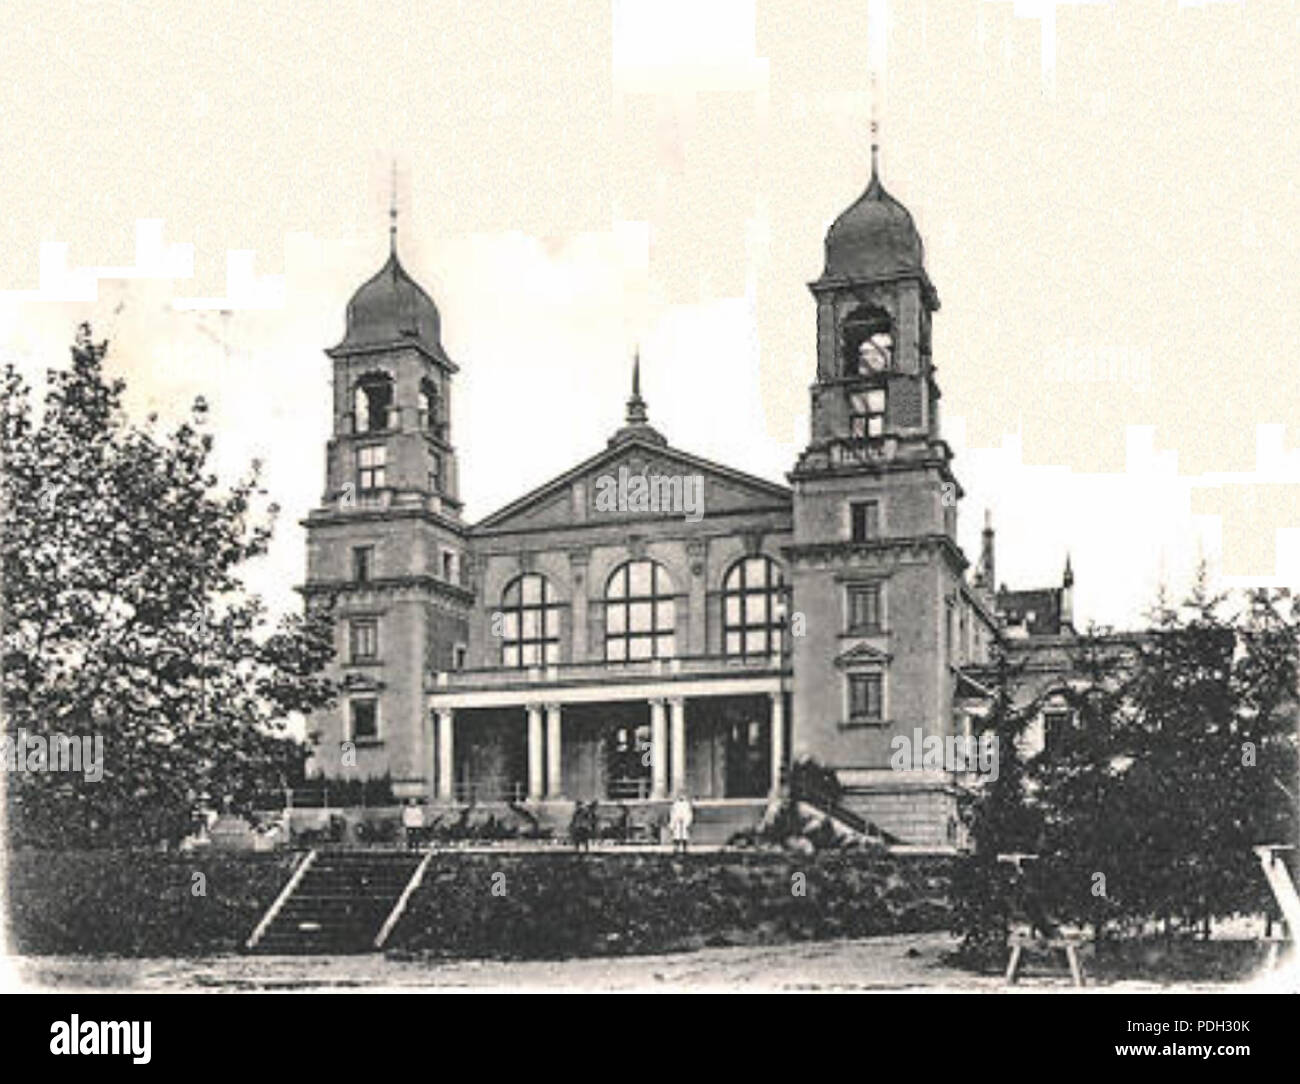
651	622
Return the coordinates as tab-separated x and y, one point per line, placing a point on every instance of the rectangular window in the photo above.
365	720
867	414
864	698
365	640
1056	726
435	472
370	467
864	519
458	657
448	566
864	608
363	563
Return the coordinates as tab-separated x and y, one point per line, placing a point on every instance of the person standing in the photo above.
680	821
413	823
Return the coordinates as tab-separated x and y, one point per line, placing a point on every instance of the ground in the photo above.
900	962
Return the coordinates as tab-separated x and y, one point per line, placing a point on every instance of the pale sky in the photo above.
1107	195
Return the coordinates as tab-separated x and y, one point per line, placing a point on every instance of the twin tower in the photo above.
526	658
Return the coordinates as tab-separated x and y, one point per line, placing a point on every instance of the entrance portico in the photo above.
620	732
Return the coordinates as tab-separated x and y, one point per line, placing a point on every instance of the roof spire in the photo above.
1068	579
392	213
875	127
636	412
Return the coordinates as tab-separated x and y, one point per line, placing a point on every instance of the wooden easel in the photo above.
1019	941
1071	950
1279	880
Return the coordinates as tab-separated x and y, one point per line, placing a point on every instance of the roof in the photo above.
874	238
391	308
1037	609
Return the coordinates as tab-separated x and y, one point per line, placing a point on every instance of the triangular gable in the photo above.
862	655
571	498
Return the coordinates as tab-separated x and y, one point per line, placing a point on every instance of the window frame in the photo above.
363	632
363	420
363	563
353	704
772	626
854	591
868	678
543	610
871	523
624	604
376	473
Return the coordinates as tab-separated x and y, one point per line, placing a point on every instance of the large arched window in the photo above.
640	613
530	622
868	341
751	610
429	409
372	404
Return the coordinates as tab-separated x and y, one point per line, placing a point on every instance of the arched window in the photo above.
751	610
530	622
868	338
372	404
640	613
429	419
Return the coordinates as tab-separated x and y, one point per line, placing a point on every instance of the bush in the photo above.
138	903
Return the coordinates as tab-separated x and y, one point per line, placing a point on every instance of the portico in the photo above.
622	732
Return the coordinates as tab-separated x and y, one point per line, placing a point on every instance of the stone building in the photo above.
650	622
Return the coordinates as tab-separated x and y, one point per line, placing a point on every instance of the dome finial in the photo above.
636	411
875	128
392	213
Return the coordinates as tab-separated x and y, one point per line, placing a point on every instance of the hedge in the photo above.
555	904
137	903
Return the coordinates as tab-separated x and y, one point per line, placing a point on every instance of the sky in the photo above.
1107	194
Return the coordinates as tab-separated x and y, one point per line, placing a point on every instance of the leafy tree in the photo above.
125	616
999	820
1182	758
1076	784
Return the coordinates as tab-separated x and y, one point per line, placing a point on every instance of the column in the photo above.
658	750
677	707
445	790
535	763
554	763
776	726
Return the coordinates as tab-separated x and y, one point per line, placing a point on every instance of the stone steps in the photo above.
340	903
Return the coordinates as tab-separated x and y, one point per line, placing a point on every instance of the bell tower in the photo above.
874	563
386	543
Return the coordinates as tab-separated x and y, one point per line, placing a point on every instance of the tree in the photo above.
1182	759
999	820
125	616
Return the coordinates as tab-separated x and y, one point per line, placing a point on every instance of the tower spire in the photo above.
392	213
636	410
875	126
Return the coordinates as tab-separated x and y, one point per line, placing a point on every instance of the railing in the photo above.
488	790
299	872
637	787
498	677
361	424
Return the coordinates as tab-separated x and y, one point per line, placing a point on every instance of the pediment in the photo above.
637	480
862	654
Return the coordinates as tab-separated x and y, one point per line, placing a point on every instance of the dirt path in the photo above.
903	962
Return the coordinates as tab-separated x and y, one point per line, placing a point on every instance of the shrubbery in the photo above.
138	903
561	904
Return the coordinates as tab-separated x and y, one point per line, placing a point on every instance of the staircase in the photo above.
336	902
